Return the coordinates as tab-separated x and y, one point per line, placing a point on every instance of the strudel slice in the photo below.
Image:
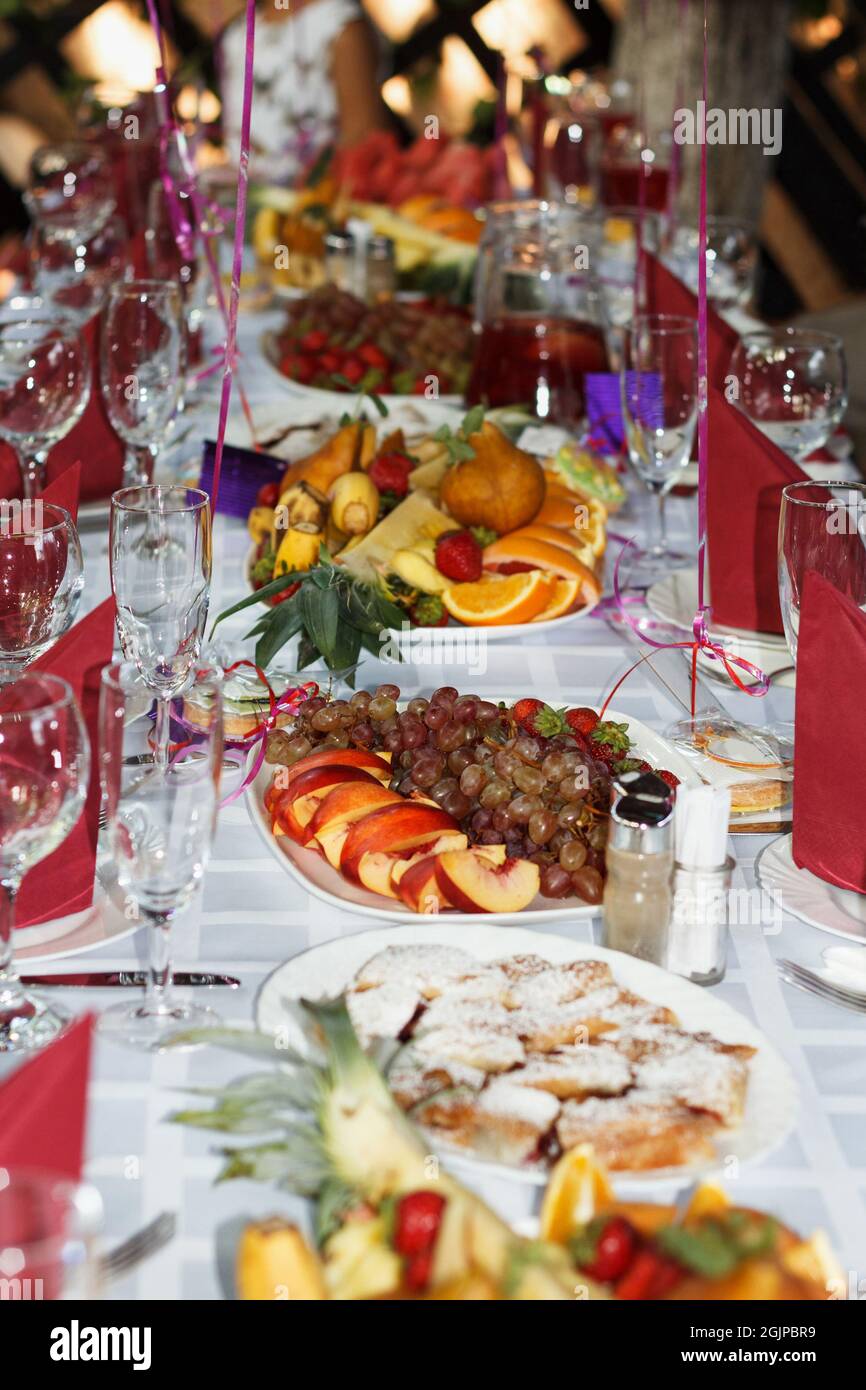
636	1131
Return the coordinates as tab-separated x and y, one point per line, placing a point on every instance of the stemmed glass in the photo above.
160	821
41	579
75	276
822	526
160	557
71	191
48	1233
44	385
659	389
143	362
625	233
793	384
732	260
44	769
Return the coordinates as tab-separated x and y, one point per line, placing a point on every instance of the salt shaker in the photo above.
698	943
640	858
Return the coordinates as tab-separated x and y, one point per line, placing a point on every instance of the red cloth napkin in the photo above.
746	475
64	490
668	295
92	443
43	1106
830	773
63	883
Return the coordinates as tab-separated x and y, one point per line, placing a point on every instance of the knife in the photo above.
109	979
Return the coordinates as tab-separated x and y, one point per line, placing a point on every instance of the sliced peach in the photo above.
296	805
391	829
331	840
349	803
438	846
470	881
419	888
376	763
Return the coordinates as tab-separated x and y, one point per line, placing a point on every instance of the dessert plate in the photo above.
674	600
771	1099
800	892
315	875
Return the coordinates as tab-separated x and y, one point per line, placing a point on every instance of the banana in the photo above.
417	570
301	502
354	500
299	548
260	522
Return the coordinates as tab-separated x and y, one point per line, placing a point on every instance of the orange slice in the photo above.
564	597
572	541
518	548
494	600
576	1191
557	510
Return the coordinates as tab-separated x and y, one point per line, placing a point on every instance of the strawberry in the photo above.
668	777
268	495
314	341
390	473
614	1251
610	741
418	1271
524	712
539	719
372	355
458	556
428	612
416	1222
353	370
329	362
581	720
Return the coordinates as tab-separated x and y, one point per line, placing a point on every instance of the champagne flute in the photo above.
822	527
143	362
160	557
793	384
44	384
659	388
44	769
160	821
41	579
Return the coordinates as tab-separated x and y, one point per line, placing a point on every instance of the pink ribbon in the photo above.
288	703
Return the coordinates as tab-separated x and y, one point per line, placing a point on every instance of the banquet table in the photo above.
251	916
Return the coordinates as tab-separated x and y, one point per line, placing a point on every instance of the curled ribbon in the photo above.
288	703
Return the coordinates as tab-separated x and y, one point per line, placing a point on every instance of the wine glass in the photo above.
160	558
624	232
732	260
142	368
659	390
793	384
44	384
41	579
161	821
44	769
822	526
70	192
48	1232
75	276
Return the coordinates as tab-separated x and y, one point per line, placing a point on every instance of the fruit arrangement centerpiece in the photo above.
372	534
452	801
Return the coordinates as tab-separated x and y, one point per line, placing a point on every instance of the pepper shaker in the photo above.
640	858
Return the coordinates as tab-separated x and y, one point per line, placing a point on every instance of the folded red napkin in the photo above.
92	443
65	489
746	475
668	295
43	1106
63	883
830	773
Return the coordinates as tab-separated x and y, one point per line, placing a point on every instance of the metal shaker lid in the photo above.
642	819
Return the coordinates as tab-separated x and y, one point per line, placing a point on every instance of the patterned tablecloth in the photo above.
251	916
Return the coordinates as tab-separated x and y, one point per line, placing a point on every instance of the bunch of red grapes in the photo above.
545	799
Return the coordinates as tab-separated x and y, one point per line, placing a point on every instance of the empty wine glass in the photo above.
732	260
71	190
624	231
48	1233
75	276
44	384
142	368
822	527
160	821
41	579
44	769
659	390
160	557
792	384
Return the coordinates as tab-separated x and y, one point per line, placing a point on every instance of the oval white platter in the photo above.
771	1098
314	873
817	903
333	400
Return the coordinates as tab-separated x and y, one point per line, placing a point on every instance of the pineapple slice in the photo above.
359	1263
415	519
274	1262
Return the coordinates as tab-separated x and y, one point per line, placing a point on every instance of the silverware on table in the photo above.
111	979
139	1247
807	980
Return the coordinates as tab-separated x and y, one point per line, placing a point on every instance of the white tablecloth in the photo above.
251	916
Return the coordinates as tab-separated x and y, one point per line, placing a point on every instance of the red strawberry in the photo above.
458	556
268	495
284	594
418	1271
610	741
614	1251
606	753
668	777
582	720
524	713
651	1276
390	473
329	362
539	719
372	355
315	340
416	1222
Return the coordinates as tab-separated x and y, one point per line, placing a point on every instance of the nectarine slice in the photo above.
474	884
393	828
419	888
376	763
331	840
348	803
438	846
295	806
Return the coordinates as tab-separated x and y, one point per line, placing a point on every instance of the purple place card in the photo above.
604	406
243	472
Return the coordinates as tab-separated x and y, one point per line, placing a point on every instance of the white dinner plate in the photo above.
674	600
331	400
800	892
98	925
315	875
771	1099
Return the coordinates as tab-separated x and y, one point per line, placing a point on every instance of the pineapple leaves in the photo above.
295	1162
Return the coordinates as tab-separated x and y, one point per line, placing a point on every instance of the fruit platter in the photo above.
333	341
449	528
452	804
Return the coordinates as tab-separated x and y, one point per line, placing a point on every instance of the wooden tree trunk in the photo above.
747	61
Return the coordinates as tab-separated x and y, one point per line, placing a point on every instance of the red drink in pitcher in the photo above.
539	363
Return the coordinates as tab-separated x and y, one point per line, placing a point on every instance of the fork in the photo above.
139	1246
801	978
